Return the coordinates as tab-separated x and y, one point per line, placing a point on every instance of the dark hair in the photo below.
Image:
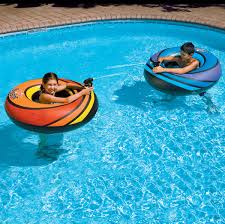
47	77
188	48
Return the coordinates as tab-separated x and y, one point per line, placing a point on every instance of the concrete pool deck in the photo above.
14	19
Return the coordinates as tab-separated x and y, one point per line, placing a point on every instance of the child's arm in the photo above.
183	70
169	58
47	98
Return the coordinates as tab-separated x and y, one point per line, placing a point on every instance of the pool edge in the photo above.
42	26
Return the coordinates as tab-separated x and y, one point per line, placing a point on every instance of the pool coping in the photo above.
14	19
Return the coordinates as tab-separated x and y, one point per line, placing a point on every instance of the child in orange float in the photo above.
50	86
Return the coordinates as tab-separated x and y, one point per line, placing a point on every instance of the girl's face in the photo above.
51	86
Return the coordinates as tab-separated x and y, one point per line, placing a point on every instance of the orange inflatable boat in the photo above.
24	110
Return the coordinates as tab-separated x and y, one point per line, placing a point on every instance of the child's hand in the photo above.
160	60
87	90
158	69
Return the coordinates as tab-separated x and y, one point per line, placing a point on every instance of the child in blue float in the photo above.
185	61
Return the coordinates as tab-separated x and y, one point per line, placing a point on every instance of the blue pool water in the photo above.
144	158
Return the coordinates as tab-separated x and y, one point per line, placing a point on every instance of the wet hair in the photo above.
188	48
47	77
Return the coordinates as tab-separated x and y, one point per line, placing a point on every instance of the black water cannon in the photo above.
156	63
88	82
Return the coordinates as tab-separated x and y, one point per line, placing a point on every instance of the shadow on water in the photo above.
23	148
143	96
136	95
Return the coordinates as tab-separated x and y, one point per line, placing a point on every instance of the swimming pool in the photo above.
144	157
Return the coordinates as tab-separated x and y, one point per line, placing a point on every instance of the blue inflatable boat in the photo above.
195	82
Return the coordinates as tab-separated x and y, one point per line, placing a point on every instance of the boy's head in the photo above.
188	48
